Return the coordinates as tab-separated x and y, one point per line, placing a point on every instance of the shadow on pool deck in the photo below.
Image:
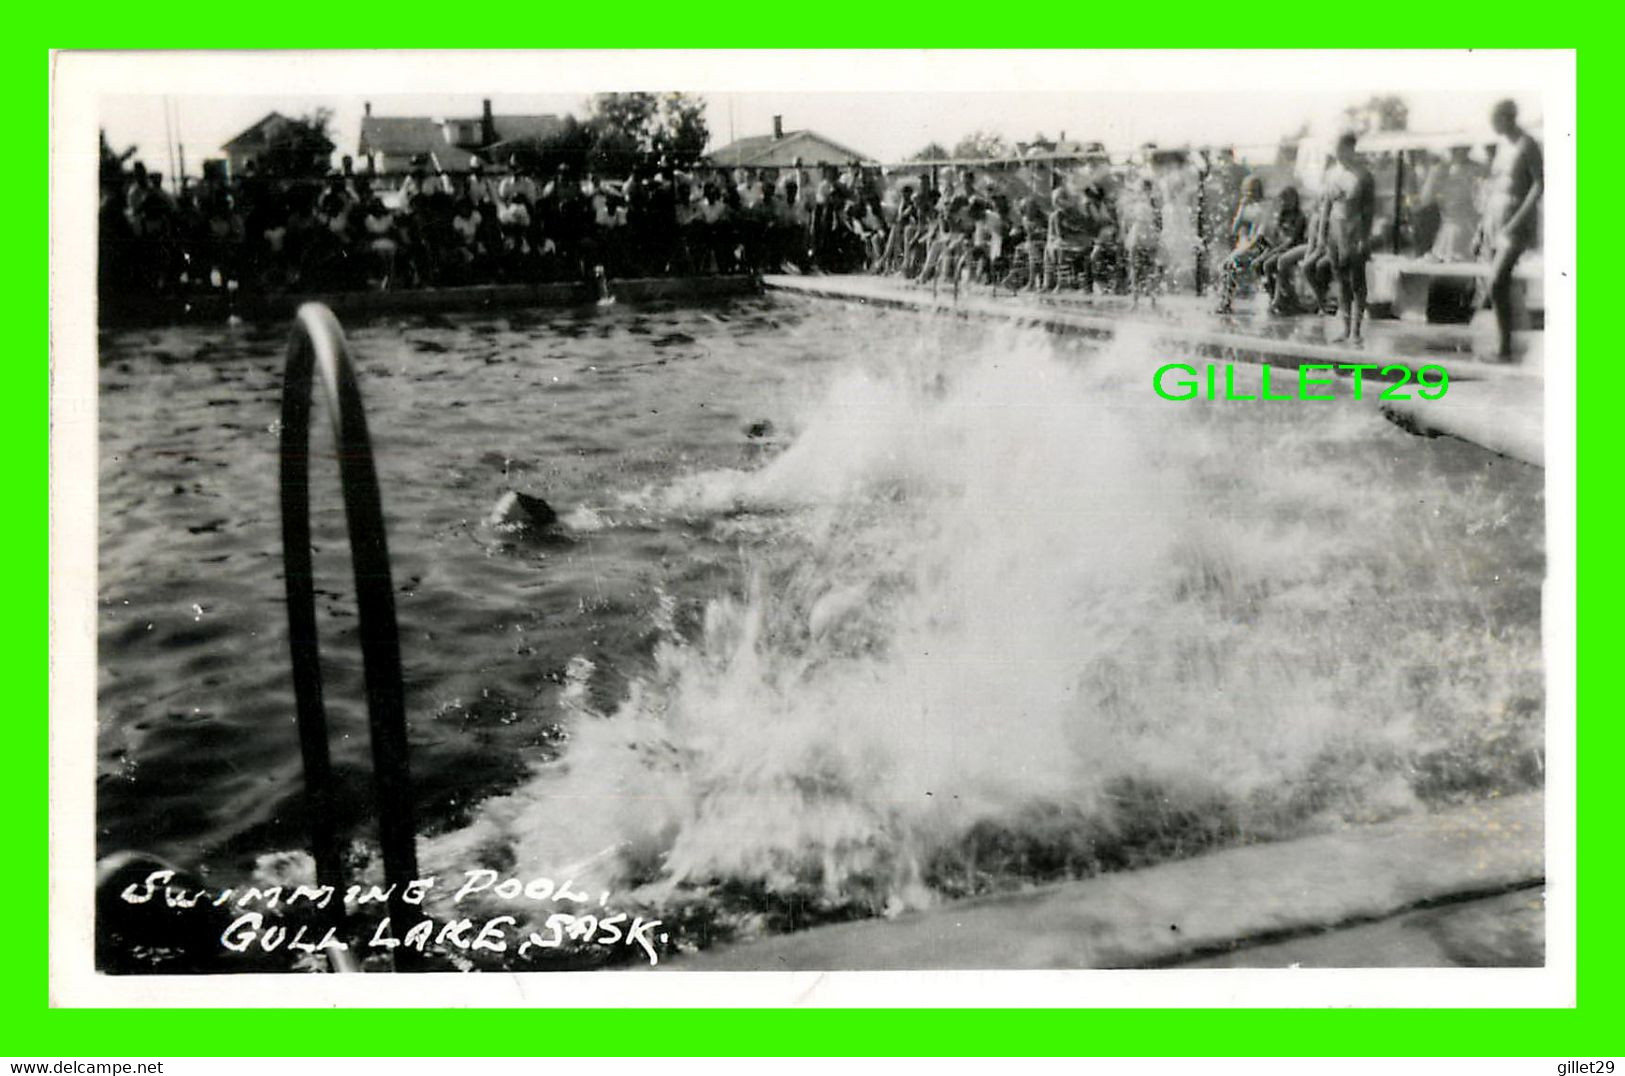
1499	406
1461	887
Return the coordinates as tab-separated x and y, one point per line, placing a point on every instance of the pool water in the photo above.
848	611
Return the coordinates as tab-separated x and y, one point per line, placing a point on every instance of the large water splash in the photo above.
1011	616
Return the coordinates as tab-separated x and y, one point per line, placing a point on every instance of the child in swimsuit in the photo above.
1071	235
1287	232
1251	241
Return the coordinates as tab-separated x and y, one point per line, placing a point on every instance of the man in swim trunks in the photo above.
1351	207
1512	213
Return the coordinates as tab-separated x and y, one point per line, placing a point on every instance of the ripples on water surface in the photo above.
978	609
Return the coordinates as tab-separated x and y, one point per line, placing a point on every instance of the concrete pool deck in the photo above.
1456	888
1499	406
216	306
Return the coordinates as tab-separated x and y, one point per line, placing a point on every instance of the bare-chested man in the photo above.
1351	200
1511	215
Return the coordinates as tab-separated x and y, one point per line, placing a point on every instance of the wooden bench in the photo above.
1416	289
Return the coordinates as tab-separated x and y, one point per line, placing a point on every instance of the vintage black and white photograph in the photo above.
582	513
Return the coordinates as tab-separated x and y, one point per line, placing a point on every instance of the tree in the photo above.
571	144
1380	113
627	126
298	148
629	115
614	152
112	166
1286	150
681	133
982	144
932	151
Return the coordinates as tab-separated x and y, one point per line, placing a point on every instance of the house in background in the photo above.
248	146
781	149
392	143
1063	147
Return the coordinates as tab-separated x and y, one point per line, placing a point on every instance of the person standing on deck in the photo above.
1452	185
903	221
479	189
1512	216
1142	218
412	184
517	183
1105	261
1351	193
1220	179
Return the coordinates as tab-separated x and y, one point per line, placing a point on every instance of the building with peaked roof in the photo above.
392	143
781	149
248	146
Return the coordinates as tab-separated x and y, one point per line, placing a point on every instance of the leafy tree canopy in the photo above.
298	148
1380	113
626	127
982	144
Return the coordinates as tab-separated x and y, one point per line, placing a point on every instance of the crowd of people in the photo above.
1147	229
1171	224
425	229
523	224
353	229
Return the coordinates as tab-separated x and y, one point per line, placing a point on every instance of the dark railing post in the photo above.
1201	226
1399	196
318	354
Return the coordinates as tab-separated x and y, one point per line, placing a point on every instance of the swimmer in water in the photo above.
1351	206
1511	216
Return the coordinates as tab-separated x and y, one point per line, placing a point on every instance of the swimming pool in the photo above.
848	612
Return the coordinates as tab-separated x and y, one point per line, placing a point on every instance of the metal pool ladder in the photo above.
317	352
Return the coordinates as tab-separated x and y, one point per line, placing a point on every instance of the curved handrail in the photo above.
317	352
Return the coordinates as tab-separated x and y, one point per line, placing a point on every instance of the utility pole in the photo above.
169	140
180	151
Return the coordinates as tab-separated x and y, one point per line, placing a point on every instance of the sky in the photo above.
886	104
888	126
